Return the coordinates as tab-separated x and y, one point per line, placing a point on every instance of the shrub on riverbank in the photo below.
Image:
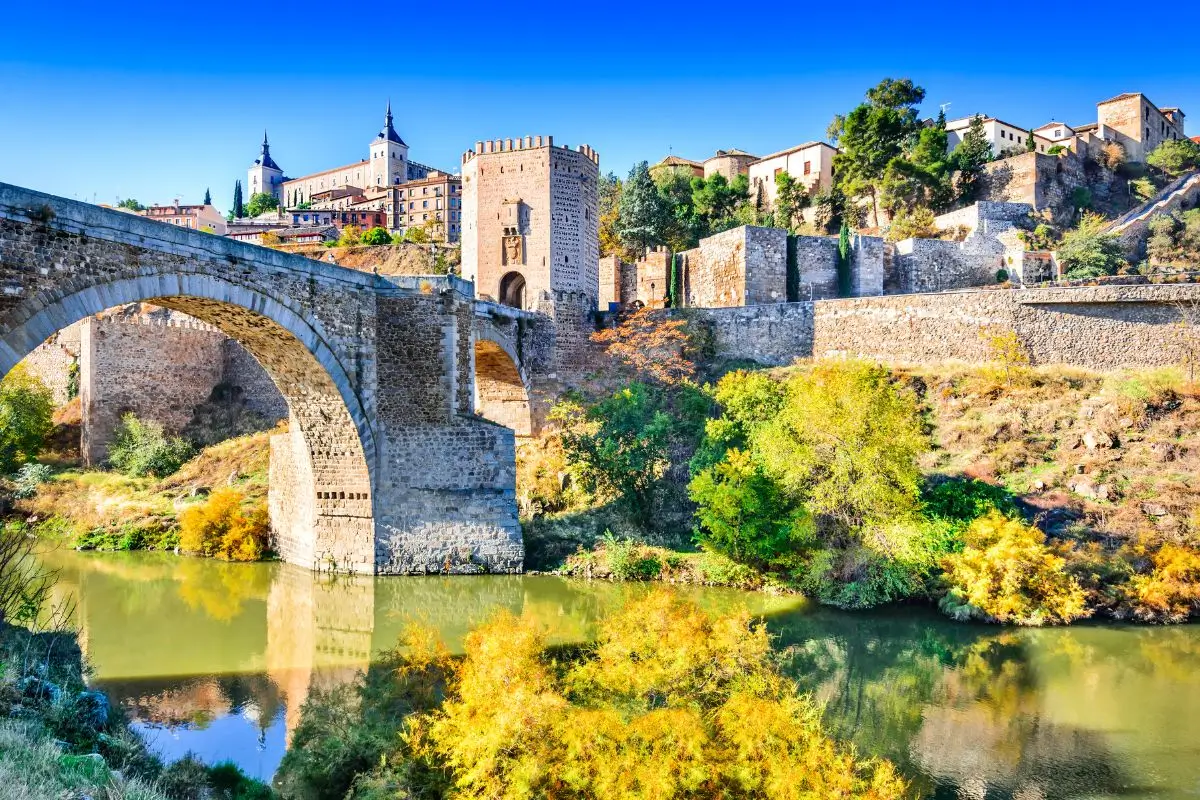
670	702
26	418
225	527
140	449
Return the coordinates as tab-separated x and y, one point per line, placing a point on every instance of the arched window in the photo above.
512	290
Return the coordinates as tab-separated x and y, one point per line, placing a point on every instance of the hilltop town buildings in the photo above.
1129	120
195	216
387	189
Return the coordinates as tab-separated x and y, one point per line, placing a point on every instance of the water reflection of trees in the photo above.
958	707
195	702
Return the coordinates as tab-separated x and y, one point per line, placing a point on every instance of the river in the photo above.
217	658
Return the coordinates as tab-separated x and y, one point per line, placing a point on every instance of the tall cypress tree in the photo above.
843	263
239	210
207	197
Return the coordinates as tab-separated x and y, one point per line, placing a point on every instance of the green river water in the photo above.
217	658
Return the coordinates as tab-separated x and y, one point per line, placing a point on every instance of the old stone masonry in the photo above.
386	467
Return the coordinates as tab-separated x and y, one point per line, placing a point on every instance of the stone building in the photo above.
811	164
729	164
197	217
1137	124
529	221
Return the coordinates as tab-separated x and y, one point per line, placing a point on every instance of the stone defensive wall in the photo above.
1101	328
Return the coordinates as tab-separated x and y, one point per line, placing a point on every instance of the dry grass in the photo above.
1102	456
93	501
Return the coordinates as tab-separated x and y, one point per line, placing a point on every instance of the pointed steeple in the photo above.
265	159
389	133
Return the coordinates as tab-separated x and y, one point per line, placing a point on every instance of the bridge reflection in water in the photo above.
218	658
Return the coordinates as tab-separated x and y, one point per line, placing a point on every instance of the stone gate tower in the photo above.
530	234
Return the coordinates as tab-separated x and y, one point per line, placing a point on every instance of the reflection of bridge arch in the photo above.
368	367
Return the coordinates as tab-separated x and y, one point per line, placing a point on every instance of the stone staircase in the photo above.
1174	195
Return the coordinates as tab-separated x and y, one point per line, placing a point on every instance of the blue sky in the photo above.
157	101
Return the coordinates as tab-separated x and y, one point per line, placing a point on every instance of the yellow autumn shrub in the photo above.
1170	591
222	527
671	702
1006	573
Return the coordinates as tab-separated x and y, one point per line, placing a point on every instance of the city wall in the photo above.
1102	328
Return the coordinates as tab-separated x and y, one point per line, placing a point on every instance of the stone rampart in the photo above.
157	371
1102	328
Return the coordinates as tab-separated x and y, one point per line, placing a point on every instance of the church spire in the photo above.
389	132
265	159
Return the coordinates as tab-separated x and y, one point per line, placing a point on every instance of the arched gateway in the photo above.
386	468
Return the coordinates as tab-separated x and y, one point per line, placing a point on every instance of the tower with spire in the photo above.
264	174
389	155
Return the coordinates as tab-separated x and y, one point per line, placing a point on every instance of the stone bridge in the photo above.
386	467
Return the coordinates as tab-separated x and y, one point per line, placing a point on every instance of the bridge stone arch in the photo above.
508	361
385	468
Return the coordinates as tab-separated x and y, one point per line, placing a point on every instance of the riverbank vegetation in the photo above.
213	503
60	739
1002	492
669	702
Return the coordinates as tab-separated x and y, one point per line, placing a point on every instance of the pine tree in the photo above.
969	158
673	299
643	213
239	210
207	197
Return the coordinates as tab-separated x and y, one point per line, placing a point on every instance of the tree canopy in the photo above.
872	135
261	203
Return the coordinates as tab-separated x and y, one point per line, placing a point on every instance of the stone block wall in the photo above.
1101	328
933	265
866	266
252	383
984	214
52	362
817	266
158	371
742	266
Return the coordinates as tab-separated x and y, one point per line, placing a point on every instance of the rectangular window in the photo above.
807	167
777	172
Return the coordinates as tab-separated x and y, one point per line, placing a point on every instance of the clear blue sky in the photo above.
158	100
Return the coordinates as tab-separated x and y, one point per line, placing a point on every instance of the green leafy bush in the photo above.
142	448
28	478
845	444
1090	251
26	418
627	561
742	513
376	236
965	500
619	447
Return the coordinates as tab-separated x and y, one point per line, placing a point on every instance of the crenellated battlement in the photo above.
492	146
